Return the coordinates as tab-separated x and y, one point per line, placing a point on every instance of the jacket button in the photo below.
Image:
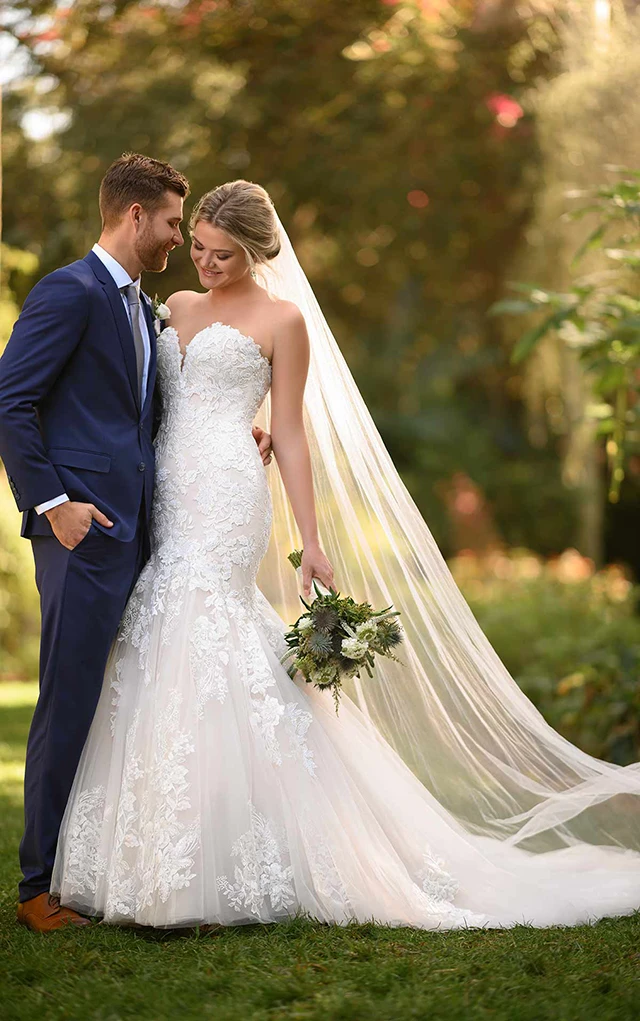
141	466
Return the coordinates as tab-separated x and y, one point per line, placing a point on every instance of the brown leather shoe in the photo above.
45	914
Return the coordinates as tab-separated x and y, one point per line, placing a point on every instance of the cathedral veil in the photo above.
450	709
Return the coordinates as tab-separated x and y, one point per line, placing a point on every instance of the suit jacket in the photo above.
70	416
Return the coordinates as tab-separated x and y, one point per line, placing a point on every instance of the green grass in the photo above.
299	970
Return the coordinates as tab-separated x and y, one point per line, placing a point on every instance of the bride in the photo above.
215	789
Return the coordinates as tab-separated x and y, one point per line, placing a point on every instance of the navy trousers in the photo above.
83	593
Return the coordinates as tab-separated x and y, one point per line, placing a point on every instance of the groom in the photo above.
76	428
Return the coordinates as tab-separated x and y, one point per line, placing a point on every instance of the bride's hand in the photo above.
315	565
263	440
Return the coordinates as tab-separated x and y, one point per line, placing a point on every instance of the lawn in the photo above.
299	970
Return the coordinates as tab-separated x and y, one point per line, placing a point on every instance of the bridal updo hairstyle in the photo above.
245	212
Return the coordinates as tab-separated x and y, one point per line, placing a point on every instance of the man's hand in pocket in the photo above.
71	521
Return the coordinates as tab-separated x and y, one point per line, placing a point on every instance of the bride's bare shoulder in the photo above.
287	315
290	337
181	299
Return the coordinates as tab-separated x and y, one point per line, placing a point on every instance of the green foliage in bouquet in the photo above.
337	638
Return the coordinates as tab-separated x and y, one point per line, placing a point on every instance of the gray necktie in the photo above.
130	292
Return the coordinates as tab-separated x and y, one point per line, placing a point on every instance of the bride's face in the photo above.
218	260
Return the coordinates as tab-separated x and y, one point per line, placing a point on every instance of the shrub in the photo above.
570	635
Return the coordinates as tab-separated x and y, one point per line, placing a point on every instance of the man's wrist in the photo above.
54	512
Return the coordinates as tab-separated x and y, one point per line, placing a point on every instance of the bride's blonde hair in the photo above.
244	211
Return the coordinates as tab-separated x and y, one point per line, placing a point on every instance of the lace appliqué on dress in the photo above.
326	876
281	726
209	659
154	850
85	865
261	874
436	882
436	893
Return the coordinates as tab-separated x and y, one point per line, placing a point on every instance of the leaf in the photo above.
627	303
591	242
600	411
616	168
579	214
605	427
516	285
528	340
511	306
625	257
626	329
611	378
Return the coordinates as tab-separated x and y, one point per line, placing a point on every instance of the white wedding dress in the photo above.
215	789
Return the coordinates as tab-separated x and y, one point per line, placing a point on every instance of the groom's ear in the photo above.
135	214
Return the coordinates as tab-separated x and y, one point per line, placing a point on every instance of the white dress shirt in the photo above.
121	279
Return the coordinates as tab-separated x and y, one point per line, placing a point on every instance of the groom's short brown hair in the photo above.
135	178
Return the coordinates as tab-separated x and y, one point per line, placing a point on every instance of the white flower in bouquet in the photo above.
353	648
305	625
367	631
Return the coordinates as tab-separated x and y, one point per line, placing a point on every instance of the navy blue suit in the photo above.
71	422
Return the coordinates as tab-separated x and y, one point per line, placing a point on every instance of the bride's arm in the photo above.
289	374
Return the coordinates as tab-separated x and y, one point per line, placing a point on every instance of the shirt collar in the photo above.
120	276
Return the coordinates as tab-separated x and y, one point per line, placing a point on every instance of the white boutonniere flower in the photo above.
160	313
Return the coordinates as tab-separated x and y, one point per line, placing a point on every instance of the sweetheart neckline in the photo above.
227	326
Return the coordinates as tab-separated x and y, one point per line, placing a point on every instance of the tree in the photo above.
391	137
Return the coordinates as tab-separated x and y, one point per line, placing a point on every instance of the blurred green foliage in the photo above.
19	617
402	162
570	635
599	318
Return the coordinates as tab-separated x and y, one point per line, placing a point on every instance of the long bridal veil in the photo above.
450	709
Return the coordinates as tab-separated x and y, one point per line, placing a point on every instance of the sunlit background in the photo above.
420	155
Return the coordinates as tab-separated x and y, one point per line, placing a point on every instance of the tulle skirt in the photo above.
213	788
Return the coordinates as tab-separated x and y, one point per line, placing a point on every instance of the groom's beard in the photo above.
151	253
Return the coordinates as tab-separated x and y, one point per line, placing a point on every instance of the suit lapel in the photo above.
123	326
153	360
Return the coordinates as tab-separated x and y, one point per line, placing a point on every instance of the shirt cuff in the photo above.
42	507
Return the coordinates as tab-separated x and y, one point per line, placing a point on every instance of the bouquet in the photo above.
337	638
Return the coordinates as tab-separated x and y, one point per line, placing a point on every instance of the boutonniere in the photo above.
160	313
